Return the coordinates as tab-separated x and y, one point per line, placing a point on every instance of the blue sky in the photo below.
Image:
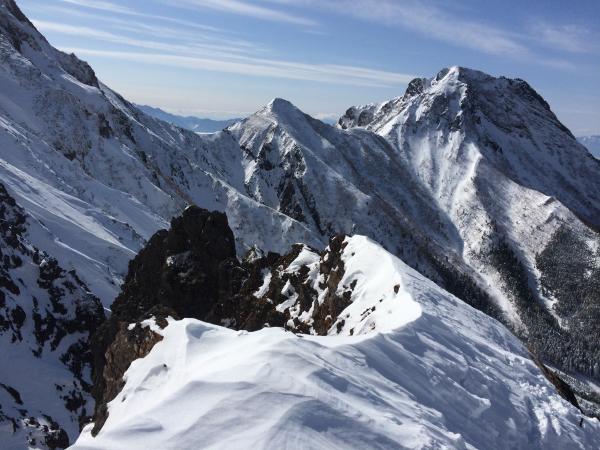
225	58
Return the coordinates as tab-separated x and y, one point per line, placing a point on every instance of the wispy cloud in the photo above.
569	38
248	9
143	29
123	40
220	58
106	6
337	74
101	5
431	20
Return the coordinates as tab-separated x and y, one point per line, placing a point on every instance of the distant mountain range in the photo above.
592	143
191	123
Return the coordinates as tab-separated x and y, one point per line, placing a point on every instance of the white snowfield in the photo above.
440	376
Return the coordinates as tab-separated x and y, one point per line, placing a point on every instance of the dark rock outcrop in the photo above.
561	386
192	271
180	268
189	271
332	268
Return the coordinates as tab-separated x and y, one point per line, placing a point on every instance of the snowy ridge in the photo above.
442	375
467	177
343	286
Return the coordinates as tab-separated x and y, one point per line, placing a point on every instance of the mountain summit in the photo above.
511	126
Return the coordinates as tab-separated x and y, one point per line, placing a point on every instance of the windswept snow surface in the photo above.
434	373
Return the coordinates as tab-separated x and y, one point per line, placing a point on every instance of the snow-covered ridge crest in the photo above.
356	296
433	373
381	299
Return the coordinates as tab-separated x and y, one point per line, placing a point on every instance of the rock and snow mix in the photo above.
443	177
497	207
46	317
423	371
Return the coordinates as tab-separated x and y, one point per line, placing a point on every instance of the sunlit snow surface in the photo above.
435	373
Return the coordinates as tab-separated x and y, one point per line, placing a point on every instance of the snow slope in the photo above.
435	373
46	317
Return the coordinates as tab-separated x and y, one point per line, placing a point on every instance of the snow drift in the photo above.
427	371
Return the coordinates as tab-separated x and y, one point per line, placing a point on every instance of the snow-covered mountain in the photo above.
472	118
46	317
410	367
101	175
469	179
592	143
521	193
192	123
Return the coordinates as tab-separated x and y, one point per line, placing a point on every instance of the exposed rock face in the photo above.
192	271
304	287
333	303
189	271
561	386
181	268
46	317
128	344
